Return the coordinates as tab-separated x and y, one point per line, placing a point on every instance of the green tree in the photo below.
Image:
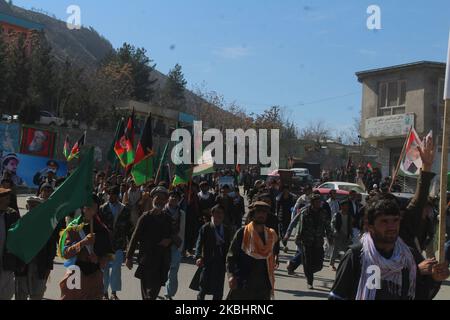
174	89
141	69
3	73
41	82
18	70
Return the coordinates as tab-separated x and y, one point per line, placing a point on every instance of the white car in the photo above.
8	118
345	186
47	118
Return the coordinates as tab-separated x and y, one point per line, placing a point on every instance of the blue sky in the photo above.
301	55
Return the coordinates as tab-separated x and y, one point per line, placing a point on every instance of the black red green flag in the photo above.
66	147
77	147
143	168
124	146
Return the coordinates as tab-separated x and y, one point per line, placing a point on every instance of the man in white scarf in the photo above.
383	267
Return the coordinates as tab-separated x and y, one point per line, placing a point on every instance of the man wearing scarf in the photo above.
251	259
173	210
402	272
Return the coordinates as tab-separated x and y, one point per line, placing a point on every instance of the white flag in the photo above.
447	74
412	162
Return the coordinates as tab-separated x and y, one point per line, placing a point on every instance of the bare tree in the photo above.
317	131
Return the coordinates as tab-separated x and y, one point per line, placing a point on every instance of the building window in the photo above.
392	98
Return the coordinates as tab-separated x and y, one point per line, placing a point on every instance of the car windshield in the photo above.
346	187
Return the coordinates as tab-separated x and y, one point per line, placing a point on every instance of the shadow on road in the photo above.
312	293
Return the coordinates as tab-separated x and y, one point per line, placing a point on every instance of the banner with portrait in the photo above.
38	142
29	171
9	137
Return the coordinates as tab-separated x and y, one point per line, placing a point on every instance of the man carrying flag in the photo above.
77	147
124	145
142	170
27	237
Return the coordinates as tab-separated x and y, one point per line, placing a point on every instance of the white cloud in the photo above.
232	52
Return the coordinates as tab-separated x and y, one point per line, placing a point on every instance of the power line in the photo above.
301	104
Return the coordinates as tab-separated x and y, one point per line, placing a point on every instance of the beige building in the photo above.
396	98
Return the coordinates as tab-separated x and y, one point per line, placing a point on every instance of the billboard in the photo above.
9	137
28	171
38	142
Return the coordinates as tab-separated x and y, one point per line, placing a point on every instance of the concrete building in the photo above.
396	98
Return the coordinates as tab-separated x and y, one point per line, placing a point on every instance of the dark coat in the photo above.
284	207
210	277
241	265
153	259
10	262
121	229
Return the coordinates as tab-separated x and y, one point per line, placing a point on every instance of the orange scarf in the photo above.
253	246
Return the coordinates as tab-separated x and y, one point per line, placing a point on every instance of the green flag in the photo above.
183	174
30	234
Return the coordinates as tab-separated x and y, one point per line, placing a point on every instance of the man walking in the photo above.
285	202
178	216
314	226
251	260
153	235
341	225
116	217
212	247
31	279
8	262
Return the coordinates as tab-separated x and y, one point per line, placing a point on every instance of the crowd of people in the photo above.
156	226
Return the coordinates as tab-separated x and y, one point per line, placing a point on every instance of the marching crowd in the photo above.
156	225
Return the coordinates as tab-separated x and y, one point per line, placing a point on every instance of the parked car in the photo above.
47	118
346	186
340	194
9	118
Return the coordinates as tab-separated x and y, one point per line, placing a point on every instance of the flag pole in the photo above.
402	154
443	181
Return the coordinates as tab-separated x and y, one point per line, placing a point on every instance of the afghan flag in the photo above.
77	147
30	234
120	129
369	167
66	147
124	145
143	169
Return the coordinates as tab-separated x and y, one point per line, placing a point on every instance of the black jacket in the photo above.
206	243
121	229
10	262
284	207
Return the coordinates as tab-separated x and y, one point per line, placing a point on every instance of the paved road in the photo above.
287	287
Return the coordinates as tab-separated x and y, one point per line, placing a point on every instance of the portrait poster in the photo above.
27	171
38	142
